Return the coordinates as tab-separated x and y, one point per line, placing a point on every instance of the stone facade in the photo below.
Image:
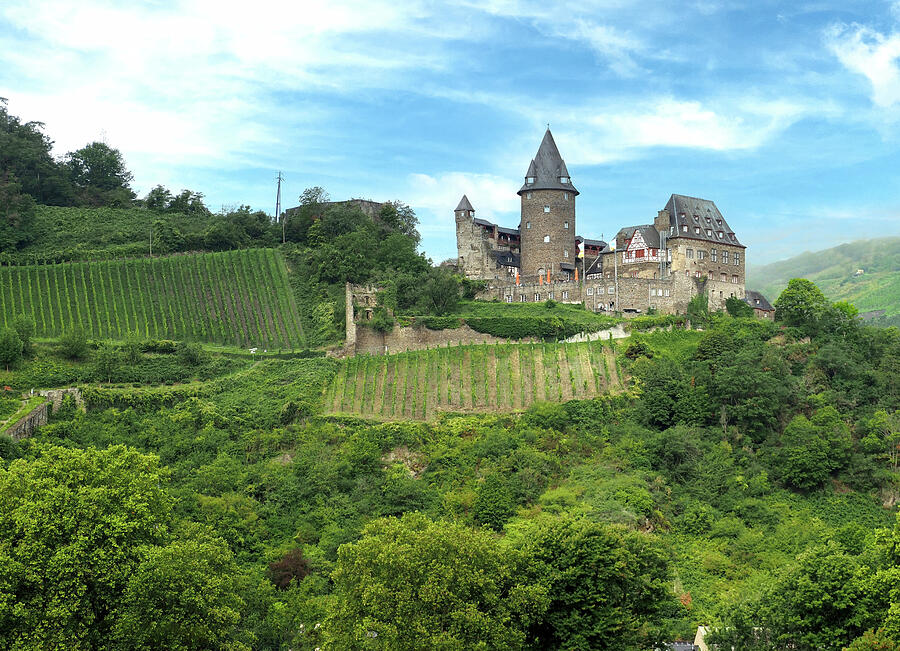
30	422
547	232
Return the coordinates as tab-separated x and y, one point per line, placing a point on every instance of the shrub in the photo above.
493	502
73	343
190	354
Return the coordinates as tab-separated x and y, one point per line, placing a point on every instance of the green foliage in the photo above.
238	297
698	309
17	212
74	525
99	176
801	305
10	348
604	584
73	343
184	595
107	361
411	583
493	502
738	308
24	327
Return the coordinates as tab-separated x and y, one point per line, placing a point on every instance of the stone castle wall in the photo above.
401	339
472	247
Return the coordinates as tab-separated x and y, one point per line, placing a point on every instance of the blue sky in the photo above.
786	114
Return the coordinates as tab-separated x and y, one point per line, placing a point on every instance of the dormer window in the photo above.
684	228
708	232
563	179
720	234
528	195
529	180
696	230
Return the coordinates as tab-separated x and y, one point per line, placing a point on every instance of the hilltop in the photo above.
834	271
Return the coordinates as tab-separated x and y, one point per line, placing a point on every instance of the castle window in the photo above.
723	277
737	258
714	255
546	238
696	274
565	295
724	257
529	180
719	222
550	295
565	224
541	272
720	234
590	291
508	298
599	290
708	232
689	253
566	196
527	224
701	254
684	228
546	208
528	195
709	274
696	230
734	279
610	290
667	292
537	298
565	253
687	272
564	179
522	298
634	274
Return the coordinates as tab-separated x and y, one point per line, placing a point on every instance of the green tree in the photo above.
24	327
411	583
107	361
132	349
10	348
803	458
606	584
182	596
801	305
17	212
73	343
737	307
440	295
74	526
883	437
100	177
874	641
493	502
698	309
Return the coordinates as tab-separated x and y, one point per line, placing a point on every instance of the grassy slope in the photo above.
568	312
125	231
832	270
236	297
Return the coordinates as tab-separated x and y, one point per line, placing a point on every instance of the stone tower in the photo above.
470	246
547	229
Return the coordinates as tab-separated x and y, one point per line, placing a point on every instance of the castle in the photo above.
688	249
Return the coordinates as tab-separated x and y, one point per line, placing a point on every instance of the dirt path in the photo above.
610	356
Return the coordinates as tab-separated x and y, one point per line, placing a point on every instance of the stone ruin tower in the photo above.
471	246
547	228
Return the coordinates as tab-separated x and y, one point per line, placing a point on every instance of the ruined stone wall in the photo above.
56	397
536	253
402	339
31	421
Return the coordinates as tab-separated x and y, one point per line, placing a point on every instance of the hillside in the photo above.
63	233
235	297
419	385
833	270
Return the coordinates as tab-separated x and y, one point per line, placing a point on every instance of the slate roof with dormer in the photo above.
506	258
648	232
464	204
757	301
596	267
699	213
546	168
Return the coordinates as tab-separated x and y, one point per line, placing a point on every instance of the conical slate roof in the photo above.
547	167
464	204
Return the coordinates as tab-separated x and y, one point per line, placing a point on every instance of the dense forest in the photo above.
741	475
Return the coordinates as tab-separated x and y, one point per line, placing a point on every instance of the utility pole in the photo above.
278	206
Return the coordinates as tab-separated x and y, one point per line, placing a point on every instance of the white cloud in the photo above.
490	195
872	54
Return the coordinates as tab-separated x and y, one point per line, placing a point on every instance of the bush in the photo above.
493	503
638	349
74	344
190	354
293	566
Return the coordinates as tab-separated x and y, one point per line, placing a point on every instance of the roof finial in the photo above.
548	126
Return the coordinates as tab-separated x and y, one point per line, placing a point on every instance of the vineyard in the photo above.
236	298
507	377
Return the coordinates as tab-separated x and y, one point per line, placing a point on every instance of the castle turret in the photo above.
468	240
547	228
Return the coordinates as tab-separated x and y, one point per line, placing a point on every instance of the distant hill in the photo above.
236	297
834	271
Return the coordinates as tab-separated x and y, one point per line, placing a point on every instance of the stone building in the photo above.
688	249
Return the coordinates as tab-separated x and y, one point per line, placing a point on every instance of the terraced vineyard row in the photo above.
236	297
507	377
